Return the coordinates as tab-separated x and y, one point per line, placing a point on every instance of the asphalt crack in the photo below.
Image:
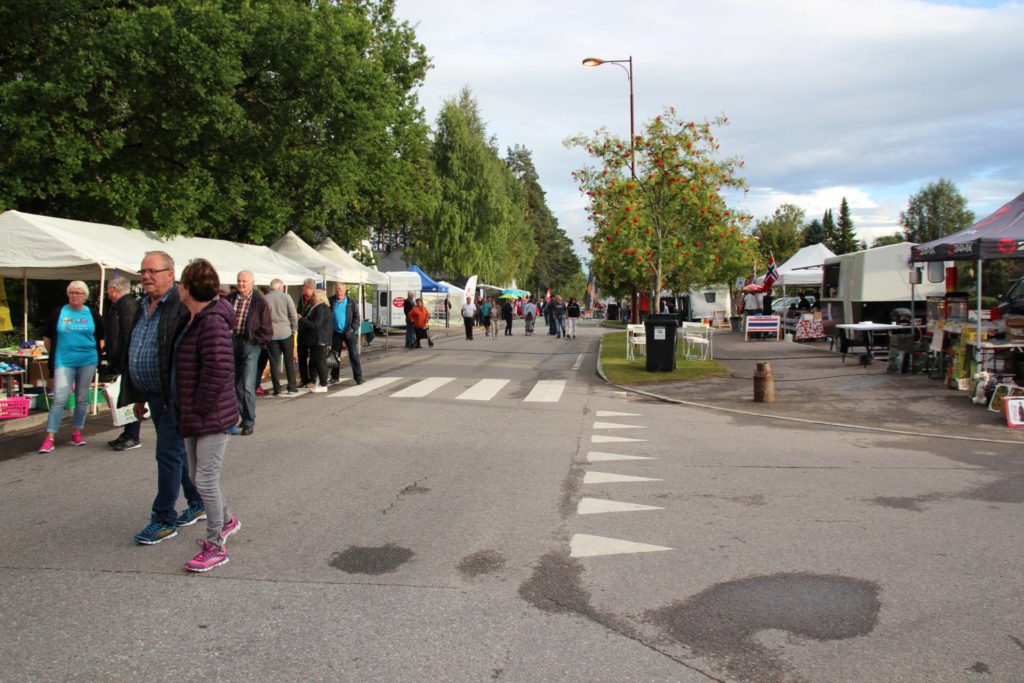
412	489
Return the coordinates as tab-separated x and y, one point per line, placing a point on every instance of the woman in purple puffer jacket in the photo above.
205	403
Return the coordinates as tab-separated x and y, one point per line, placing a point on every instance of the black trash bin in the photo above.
661	342
612	312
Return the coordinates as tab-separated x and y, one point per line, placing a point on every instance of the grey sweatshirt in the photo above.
282	314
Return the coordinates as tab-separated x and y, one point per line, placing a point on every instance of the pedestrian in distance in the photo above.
146	380
304	354
284	321
485	313
73	336
205	402
572	316
558	313
253	329
493	316
420	317
345	331
507	312
468	316
118	319
315	334
410	330
447	310
530	316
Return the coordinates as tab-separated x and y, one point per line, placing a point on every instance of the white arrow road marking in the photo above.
585	545
615	413
598	456
546	391
366	387
609	478
423	387
601	438
594	506
484	390
615	425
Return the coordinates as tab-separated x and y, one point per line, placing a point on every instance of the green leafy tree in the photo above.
232	120
669	227
846	239
780	234
813	233
884	240
938	209
556	265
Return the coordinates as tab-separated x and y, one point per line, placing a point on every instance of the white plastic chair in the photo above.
636	336
699	340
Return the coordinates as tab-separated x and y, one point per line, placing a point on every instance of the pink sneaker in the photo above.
209	557
230	527
76	438
47	446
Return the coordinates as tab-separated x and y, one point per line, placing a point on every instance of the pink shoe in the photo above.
76	438
209	557
230	527
47	446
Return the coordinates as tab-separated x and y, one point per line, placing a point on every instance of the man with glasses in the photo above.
146	378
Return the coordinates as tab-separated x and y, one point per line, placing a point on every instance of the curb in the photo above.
786	418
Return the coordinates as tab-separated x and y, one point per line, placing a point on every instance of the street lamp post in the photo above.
594	61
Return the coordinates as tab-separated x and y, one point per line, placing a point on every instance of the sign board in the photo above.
659	334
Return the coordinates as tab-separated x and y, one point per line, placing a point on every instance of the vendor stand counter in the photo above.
868	330
26	359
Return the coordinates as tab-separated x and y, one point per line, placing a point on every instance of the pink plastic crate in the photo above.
11	408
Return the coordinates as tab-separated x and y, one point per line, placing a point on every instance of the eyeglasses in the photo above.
153	271
78	293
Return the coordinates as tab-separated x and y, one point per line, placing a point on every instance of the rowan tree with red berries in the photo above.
669	227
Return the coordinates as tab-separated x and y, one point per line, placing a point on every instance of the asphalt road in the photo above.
477	526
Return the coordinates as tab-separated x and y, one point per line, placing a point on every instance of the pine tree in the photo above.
814	233
846	238
828	226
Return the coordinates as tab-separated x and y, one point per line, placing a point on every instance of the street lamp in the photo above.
594	61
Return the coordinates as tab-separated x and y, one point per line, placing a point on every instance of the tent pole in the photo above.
977	346
96	378
24	300
359	335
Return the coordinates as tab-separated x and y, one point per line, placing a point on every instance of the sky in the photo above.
867	99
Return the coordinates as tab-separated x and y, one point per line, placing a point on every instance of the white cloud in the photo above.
868	99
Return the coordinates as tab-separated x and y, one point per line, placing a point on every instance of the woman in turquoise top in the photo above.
74	337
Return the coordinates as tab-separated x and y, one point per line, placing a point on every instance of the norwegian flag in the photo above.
771	275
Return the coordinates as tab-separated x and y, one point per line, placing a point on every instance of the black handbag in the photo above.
333	360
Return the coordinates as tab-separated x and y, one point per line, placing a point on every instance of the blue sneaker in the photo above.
192	514
233	431
154	533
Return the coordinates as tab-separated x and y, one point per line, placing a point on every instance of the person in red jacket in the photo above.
205	402
419	316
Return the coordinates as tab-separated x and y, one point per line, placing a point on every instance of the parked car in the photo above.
782	305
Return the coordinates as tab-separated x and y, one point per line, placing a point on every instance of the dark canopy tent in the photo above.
429	284
998	236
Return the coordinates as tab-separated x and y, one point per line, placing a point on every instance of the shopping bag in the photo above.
120	416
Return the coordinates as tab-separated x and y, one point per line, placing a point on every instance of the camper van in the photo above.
702	302
389	302
869	285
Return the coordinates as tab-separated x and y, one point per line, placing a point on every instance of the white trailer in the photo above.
868	285
705	301
388	308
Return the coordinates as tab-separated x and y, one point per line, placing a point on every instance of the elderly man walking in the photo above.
345	329
252	330
284	321
146	378
118	320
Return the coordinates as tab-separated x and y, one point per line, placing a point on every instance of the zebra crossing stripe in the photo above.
615	413
585	545
484	390
546	391
596	506
615	425
599	456
366	387
610	478
423	387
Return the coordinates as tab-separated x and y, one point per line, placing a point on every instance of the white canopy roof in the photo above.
804	267
45	248
292	247
353	270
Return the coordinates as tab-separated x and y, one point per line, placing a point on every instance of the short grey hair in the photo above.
168	259
78	286
309	282
277	284
121	284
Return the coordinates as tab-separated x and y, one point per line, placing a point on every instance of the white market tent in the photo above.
353	270
804	268
291	246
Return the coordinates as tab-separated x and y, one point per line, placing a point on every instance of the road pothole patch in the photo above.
480	563
371	560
